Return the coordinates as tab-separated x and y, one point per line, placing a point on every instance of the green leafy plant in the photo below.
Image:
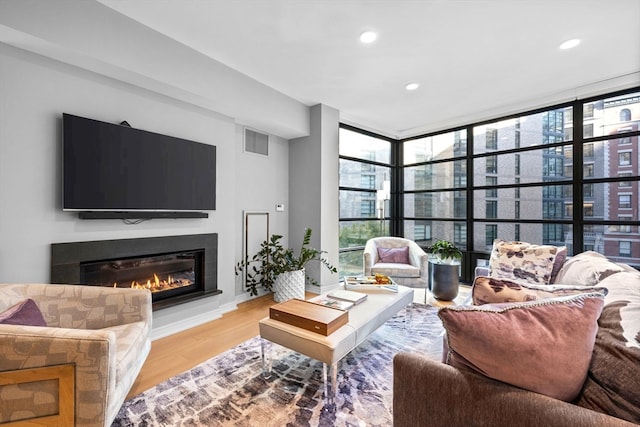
445	252
273	259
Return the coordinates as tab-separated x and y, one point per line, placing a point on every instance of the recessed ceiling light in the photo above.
368	37
412	86
569	44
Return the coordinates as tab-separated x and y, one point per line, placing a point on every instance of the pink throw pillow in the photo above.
544	346
24	313
394	255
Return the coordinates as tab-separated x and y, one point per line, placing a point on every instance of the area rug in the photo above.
230	390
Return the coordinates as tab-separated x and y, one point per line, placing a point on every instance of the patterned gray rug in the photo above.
229	390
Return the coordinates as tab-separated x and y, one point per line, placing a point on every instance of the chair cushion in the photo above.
490	290
24	313
543	346
523	261
395	270
394	255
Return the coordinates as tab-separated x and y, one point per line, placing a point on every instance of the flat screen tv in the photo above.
117	168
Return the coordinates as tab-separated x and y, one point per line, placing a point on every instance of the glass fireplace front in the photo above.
165	275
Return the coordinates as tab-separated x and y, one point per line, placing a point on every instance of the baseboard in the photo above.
190	322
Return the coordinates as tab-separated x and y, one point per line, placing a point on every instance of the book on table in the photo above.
328	301
350	296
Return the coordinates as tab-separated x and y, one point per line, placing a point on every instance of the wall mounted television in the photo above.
116	171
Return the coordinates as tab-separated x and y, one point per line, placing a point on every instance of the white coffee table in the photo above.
364	318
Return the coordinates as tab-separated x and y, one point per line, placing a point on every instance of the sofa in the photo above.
69	354
565	350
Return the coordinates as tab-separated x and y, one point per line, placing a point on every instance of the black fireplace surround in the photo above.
68	261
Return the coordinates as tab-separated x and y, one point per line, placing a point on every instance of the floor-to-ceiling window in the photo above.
365	192
519	178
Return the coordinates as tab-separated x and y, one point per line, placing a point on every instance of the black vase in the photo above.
443	280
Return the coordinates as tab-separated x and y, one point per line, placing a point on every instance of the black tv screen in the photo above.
109	167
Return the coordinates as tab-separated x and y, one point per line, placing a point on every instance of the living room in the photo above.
66	57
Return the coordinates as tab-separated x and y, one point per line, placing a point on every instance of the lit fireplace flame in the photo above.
158	285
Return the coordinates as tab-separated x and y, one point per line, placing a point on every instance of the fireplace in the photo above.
175	269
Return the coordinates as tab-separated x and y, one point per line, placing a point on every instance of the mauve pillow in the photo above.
24	313
543	346
490	290
394	255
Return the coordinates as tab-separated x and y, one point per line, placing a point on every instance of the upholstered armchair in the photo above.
401	259
79	367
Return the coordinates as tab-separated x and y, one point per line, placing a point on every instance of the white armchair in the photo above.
414	272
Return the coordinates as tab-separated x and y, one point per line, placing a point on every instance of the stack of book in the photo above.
341	299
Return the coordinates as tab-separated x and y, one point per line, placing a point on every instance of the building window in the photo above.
624	158
625	115
587	130
422	232
367	208
624	248
492	164
587	170
492	192
517	167
460	235
368	181
624	184
492	139
517	209
588	210
624	228
587	149
517	232
492	209
490	233
588	111
624	201
587	190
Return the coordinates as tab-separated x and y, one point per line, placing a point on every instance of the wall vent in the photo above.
256	142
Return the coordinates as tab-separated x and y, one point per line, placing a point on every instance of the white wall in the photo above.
261	182
35	91
314	195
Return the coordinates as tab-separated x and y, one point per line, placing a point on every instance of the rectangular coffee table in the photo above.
364	318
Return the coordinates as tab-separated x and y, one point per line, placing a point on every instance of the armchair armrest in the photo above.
91	351
370	257
419	258
426	392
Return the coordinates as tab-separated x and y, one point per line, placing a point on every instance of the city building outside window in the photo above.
536	198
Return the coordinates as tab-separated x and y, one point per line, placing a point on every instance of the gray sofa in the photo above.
79	367
427	392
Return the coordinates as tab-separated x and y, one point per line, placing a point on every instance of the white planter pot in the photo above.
289	285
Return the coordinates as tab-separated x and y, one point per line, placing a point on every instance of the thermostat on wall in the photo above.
279	207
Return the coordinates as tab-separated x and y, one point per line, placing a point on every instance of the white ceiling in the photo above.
473	59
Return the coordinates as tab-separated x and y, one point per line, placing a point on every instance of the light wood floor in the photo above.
180	352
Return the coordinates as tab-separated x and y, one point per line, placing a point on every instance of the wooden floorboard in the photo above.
180	352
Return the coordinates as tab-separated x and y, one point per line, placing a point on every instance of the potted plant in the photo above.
444	269
445	252
275	267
